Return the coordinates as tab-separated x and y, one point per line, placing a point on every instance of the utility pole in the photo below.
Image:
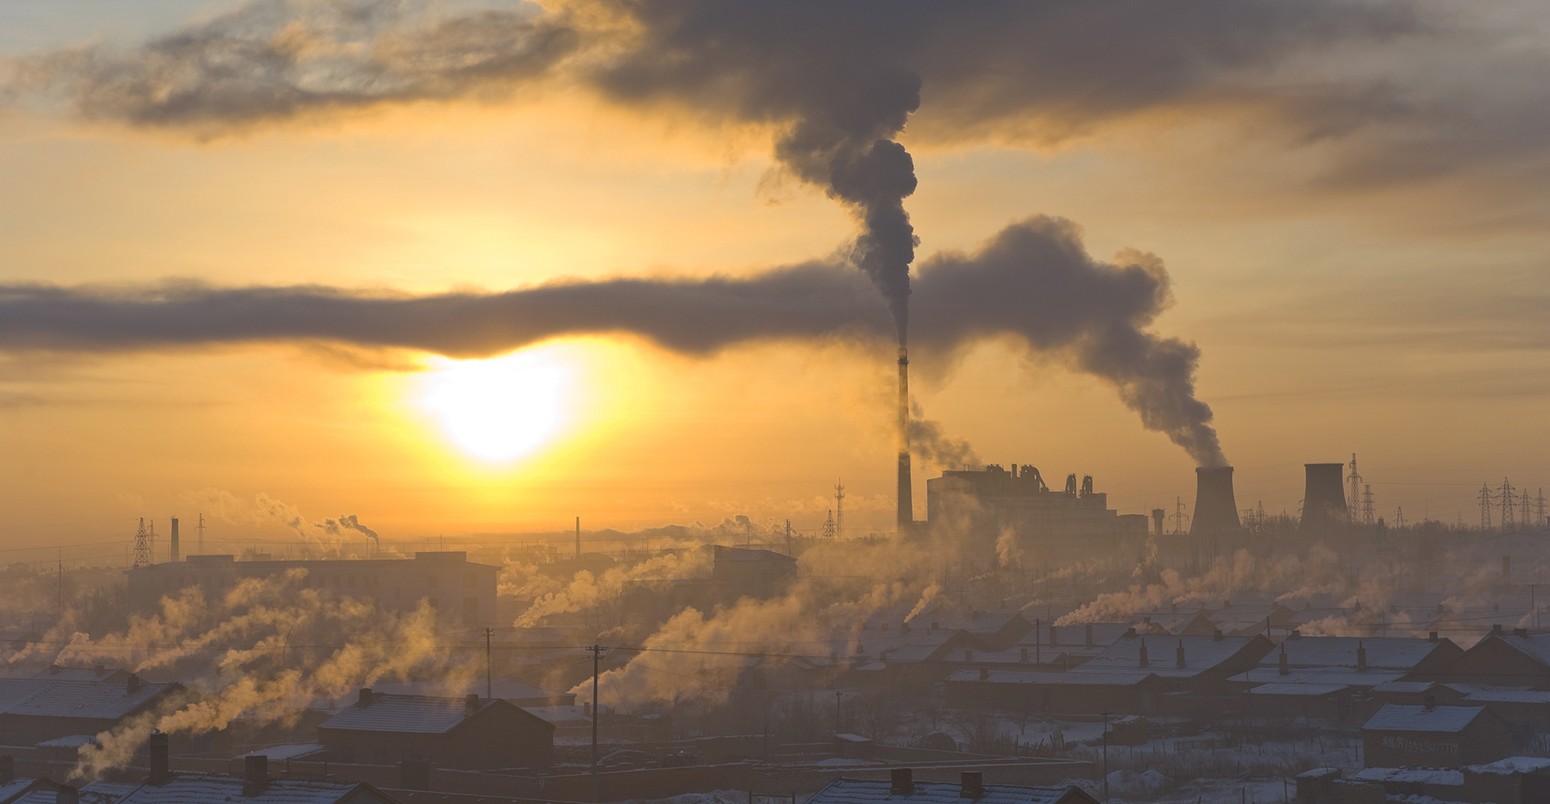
489	684
597	657
1105	755
201	539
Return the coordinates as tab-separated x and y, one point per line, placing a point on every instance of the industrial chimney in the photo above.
1323	498
1216	509
906	498
174	540
1158	518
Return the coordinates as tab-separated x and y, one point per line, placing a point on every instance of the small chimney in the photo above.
1142	652
7	769
1178	654
586	709
1216	635
904	628
1496	628
971	785
255	769
901	782
1023	655
1089	635
1130	633
161	766
1054	636
67	795
1295	634
54	669
1361	656
1285	666
1431	636
1520	632
471	703
364	699
132	684
1429	702
1174	607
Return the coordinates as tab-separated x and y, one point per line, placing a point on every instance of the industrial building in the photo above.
462	591
996	498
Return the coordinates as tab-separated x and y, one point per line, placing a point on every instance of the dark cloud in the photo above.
1032	283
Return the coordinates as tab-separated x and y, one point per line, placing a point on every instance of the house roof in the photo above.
856	791
1319	675
415	714
201	788
1420	718
1535	645
1390	653
1300	690
1201	653
1117	678
51	697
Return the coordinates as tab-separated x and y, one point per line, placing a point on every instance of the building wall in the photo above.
496	737
1487	739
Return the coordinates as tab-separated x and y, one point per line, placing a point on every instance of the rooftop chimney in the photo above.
1178	655
971	785
906	495
174	552
1496	628
132	684
1216	509
7	769
255	769
365	697
901	782
1431	636
67	794
1142	652
1088	634
1285	666
1216	635
161	767
1361	656
471	703
1323	496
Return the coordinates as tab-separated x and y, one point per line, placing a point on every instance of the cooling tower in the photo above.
906	497
1323	498
1216	509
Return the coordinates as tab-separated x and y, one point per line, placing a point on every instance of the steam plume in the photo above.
1033	283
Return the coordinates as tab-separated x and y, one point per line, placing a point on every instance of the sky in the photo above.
471	267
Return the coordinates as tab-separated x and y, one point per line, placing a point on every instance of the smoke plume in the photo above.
1032	283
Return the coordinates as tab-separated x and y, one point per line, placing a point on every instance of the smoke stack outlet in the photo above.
1143	661
471	703
1285	665
364	698
1178	655
161	765
1361	656
971	785
1216	509
255	769
906	493
901	782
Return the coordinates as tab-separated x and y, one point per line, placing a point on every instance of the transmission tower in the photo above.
142	555
839	510
1178	516
1541	519
1525	515
828	526
1506	501
1354	488
1399	517
1485	507
1369	514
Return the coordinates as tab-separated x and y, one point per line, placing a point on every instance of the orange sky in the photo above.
1340	303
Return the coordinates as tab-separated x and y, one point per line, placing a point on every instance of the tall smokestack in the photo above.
1323	498
174	539
1216	509
906	497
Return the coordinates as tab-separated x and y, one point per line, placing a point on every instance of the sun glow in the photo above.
501	409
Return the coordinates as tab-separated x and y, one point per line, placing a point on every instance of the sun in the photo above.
500	409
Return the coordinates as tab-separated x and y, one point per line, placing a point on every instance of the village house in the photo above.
1429	736
470	732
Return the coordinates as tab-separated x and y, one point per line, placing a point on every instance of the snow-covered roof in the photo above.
202	788
416	714
1318	675
1309	690
1535	645
1201	653
1117	678
853	791
1417	717
1390	653
506	688
1511	765
49	697
68	741
288	751
1404	687
1485	694
1433	776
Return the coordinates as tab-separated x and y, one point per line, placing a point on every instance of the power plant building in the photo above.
458	589
996	498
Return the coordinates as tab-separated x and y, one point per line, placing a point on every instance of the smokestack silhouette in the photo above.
174	550
906	494
1323	498
1216	509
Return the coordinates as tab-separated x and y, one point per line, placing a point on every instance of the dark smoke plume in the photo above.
836	80
1033	282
